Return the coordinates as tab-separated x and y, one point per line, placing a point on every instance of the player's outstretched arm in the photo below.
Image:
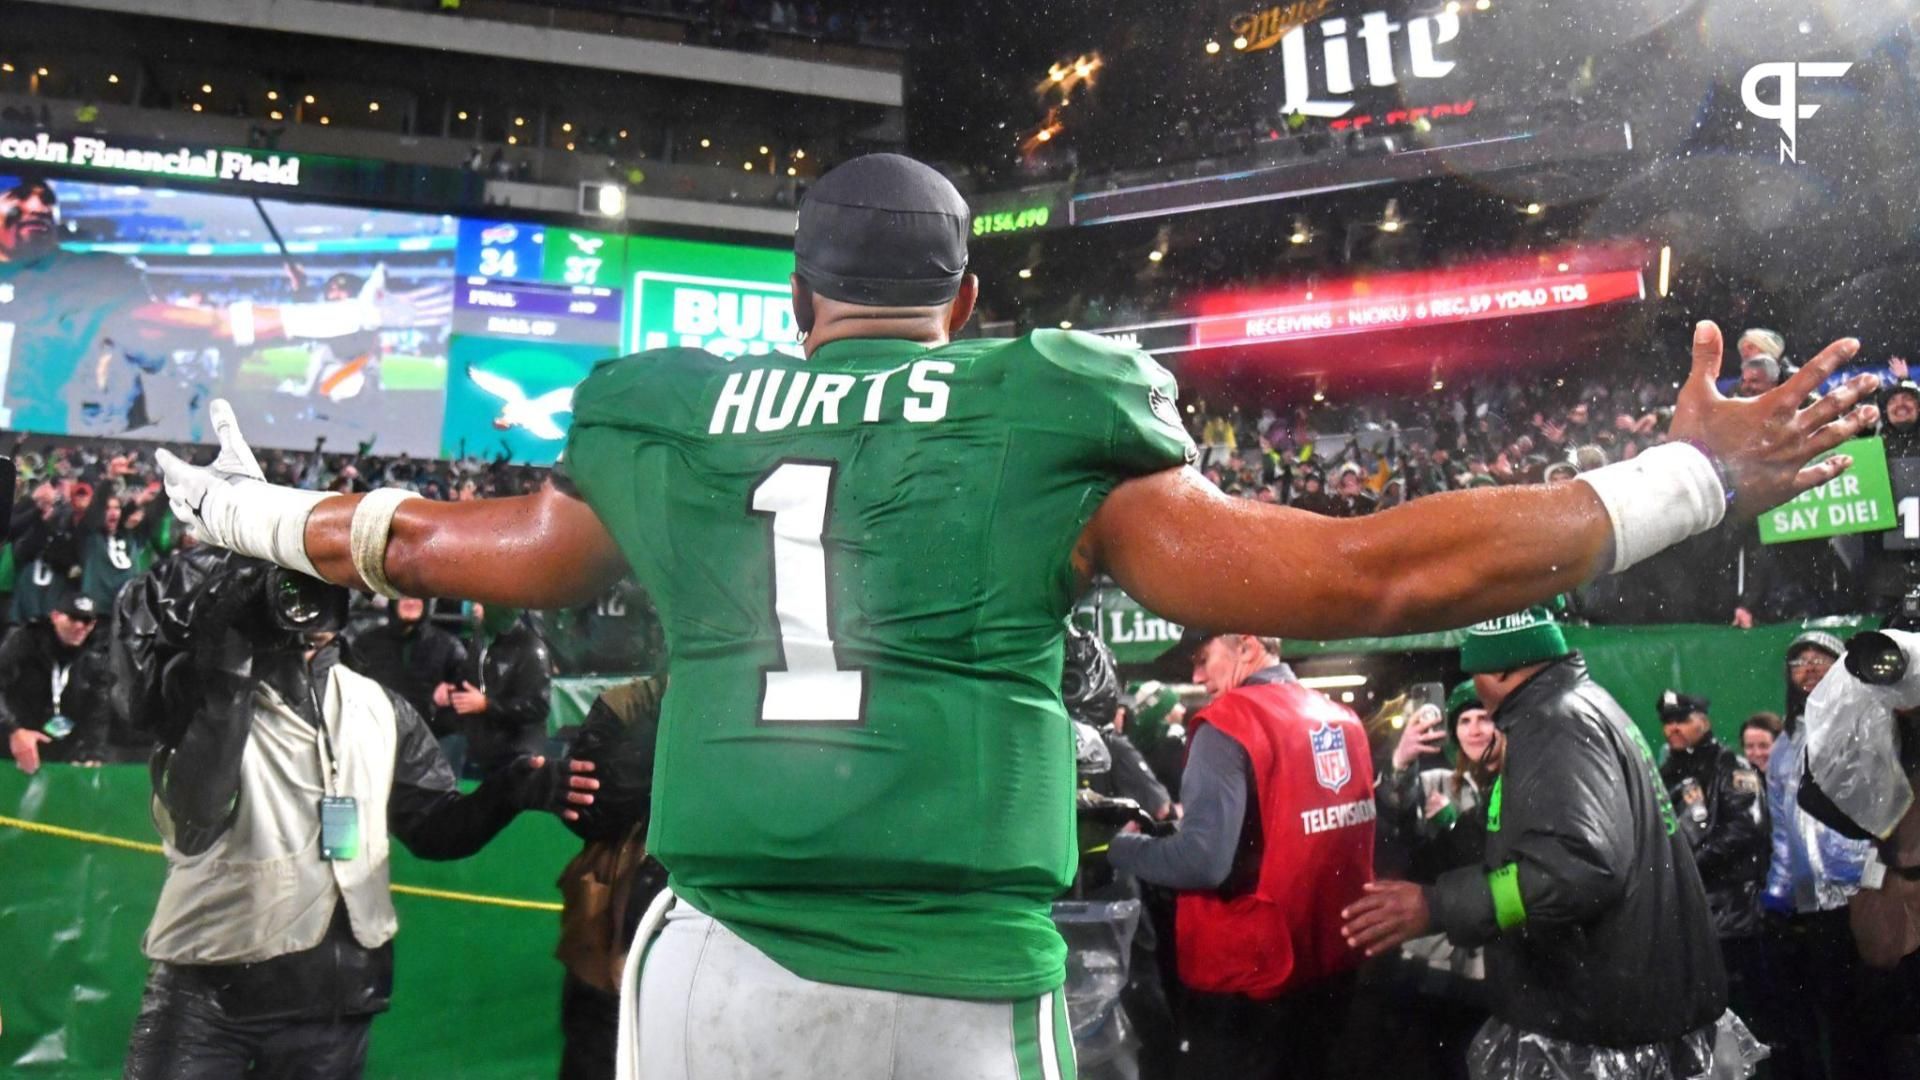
545	550
1198	557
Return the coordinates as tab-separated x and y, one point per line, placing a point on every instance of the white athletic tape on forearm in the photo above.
262	520
1656	500
372	524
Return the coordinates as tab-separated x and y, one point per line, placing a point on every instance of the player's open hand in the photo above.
1765	442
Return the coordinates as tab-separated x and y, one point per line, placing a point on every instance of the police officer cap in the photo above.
883	231
1675	705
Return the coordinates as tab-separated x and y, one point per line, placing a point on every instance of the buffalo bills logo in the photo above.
1330	764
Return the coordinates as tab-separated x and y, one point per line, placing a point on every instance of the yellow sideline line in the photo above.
155	849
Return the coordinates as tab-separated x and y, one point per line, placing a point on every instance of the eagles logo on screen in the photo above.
1330	764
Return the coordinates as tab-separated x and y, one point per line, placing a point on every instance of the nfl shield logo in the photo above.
1330	764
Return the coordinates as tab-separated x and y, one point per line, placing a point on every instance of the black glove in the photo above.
525	787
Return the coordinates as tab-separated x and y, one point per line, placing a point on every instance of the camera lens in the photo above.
1876	659
294	604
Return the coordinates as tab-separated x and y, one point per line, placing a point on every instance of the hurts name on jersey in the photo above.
774	399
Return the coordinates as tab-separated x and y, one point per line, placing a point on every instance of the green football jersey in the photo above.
862	562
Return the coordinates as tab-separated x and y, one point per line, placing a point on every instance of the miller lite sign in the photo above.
1330	764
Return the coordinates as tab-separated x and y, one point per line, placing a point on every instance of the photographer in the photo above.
53	705
281	774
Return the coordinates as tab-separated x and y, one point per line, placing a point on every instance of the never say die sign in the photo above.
1858	500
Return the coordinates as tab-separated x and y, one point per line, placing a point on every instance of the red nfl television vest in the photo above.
1313	784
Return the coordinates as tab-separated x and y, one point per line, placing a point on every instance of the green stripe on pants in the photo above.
1063	1035
1026	1039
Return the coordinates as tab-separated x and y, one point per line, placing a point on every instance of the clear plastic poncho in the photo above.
1099	944
1852	748
1723	1050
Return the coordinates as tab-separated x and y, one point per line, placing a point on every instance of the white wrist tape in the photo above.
372	524
265	521
1656	500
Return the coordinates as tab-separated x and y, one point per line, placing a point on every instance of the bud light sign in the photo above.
730	301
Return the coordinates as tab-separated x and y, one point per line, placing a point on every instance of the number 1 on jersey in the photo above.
811	688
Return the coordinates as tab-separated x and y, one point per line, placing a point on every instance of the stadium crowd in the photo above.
1357	457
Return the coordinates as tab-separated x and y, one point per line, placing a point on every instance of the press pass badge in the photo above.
58	727
339	828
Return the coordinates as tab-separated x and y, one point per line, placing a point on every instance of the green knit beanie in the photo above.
1464	697
1513	641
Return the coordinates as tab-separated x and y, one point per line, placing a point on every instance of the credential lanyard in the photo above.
61	673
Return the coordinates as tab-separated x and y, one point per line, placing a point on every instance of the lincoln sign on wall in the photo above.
1136	635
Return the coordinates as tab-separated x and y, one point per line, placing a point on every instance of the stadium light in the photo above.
1332	682
569	146
323	120
205	88
8	68
512	140
1240	42
1453	7
623	133
603	200
309	99
273	95
1482	5
1666	267
373	106
42	72
112	78
568	126
1065	324
800	155
747	166
519	121
276	115
196	108
765	150
463	114
1026	272
1213	48
791	171
1533	209
706	143
1156	255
